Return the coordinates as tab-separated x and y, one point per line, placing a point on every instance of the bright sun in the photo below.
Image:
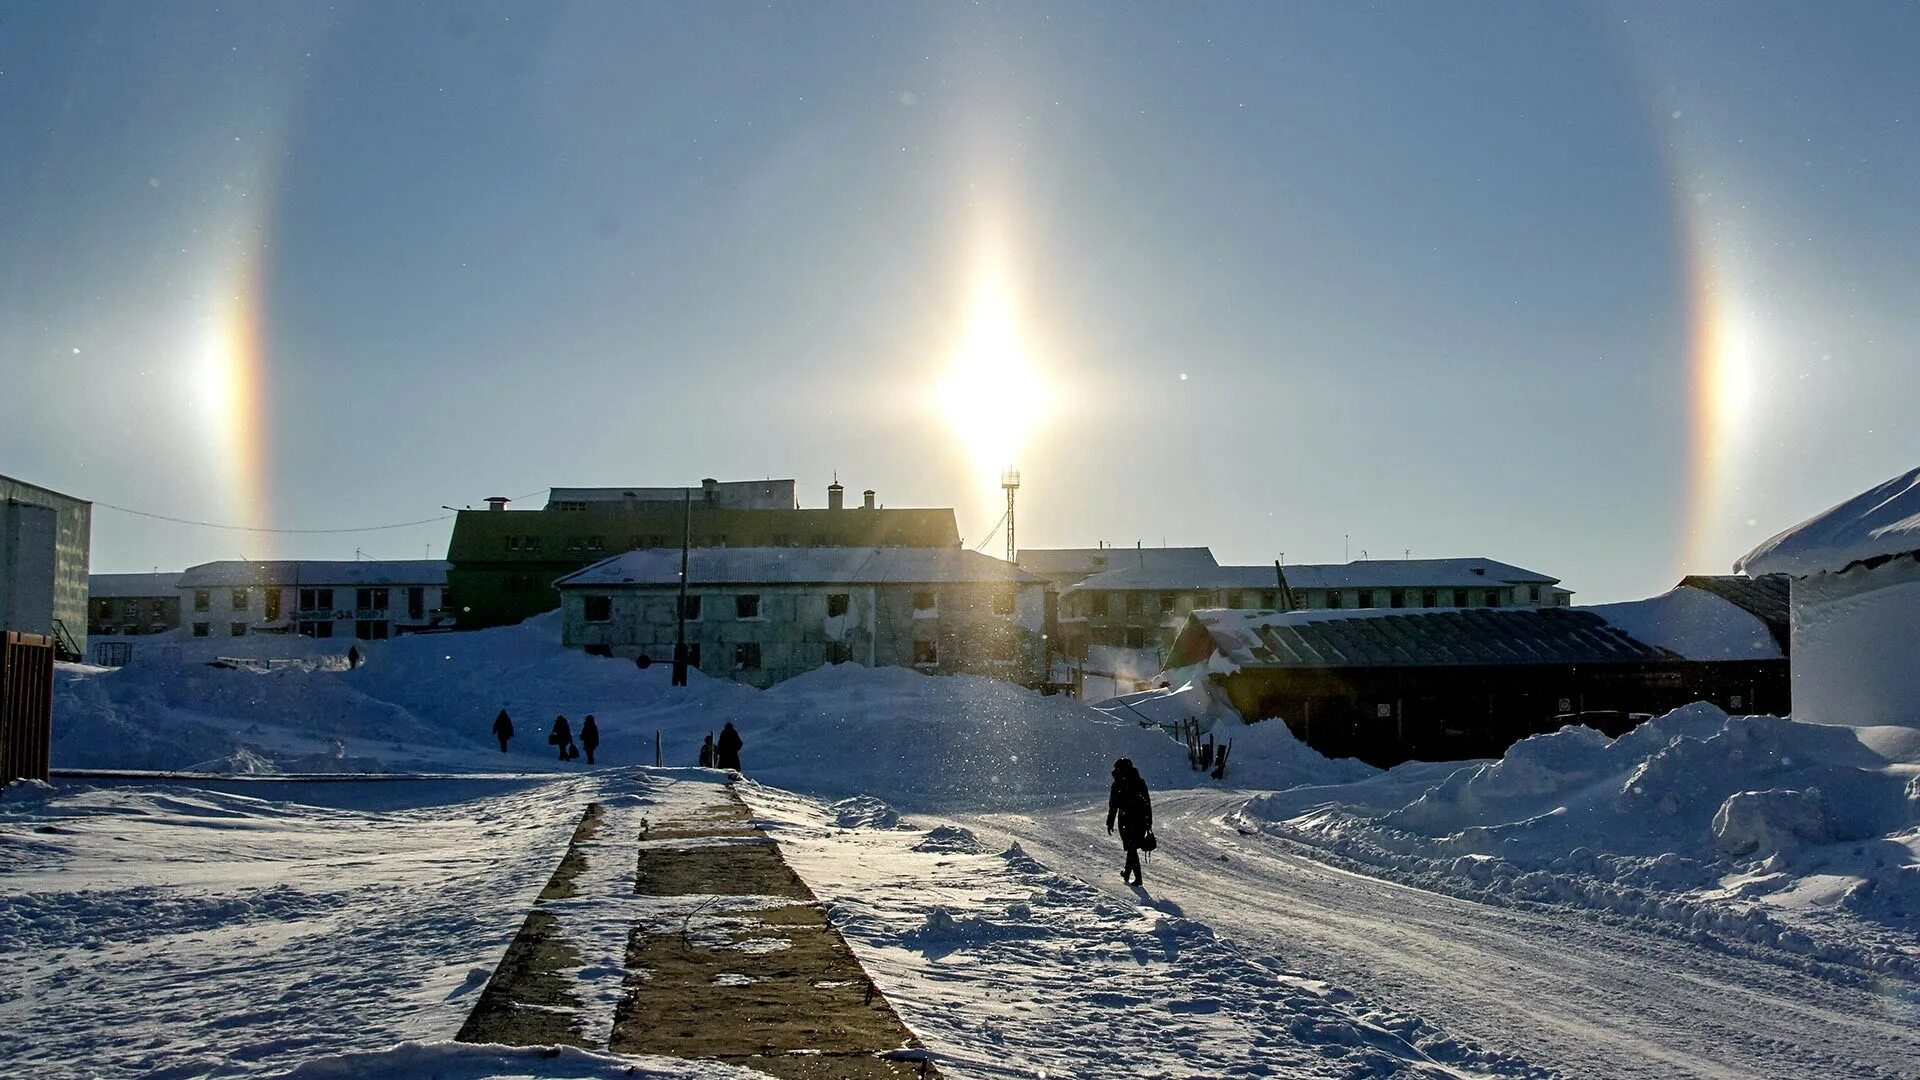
992	396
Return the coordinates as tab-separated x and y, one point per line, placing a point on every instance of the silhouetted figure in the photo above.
727	750
353	656
1129	804
707	752
589	736
562	737
503	729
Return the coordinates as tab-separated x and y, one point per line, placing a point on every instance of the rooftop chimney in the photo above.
836	496
498	502
867	498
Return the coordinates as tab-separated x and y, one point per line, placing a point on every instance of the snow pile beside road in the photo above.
1732	827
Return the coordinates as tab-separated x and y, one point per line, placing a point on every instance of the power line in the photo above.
259	529
289	532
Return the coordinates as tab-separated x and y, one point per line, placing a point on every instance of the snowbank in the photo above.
426	703
1715	822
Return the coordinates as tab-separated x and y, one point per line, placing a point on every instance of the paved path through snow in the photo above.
1565	990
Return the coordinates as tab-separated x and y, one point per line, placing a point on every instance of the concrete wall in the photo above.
43	568
794	633
1856	646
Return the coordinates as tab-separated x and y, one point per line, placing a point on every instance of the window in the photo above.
693	654
370	629
1366	598
1166	601
836	604
1493	598
202	599
159	609
239	599
1533	593
1003	601
747	606
924	601
1270	599
200	629
596	543
925	652
376	599
238	629
839	652
157	628
1006	649
746	656
270	604
103	610
599	609
315	628
598	650
1097	604
316	599
416	602
690	607
530	543
1334	599
1459	598
513	543
1134	600
1136	637
574	543
1236	599
1202	599
130	631
1429	598
1397	598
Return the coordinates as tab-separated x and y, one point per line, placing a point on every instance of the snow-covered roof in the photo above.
795	566
1094	560
1360	574
113	586
233	573
1883	521
1697	623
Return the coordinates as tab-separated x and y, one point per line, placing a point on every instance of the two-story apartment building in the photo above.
368	600
762	615
129	605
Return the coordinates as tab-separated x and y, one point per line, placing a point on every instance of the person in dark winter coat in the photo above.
353	656
727	750
1129	804
589	736
707	752
562	737
503	729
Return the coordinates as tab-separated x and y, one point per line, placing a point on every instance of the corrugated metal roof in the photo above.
793	566
112	586
233	573
1462	637
1360	574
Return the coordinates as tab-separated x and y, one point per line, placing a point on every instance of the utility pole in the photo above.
1010	480
680	622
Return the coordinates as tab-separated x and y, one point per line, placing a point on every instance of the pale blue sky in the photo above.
1431	272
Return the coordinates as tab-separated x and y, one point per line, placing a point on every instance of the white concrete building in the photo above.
762	615
1856	606
368	600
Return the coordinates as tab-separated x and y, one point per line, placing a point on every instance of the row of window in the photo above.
364	629
372	598
746	654
599	609
1269	599
103	609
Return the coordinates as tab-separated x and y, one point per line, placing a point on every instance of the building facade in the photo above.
763	615
504	562
45	541
130	605
366	600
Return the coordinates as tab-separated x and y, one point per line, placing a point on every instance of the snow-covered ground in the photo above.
1707	896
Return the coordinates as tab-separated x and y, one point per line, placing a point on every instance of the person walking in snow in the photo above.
353	656
727	750
503	729
562	737
1130	805
589	736
707	752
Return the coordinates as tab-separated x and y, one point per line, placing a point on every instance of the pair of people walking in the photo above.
561	736
724	754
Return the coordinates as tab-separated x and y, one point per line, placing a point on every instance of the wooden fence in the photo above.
26	705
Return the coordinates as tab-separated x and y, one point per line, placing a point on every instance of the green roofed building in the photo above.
504	562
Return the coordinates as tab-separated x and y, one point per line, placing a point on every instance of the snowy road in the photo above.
1564	990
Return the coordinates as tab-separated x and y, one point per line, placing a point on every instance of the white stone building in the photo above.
762	615
1855	606
367	600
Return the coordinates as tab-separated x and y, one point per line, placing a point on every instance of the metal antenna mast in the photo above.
1010	481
